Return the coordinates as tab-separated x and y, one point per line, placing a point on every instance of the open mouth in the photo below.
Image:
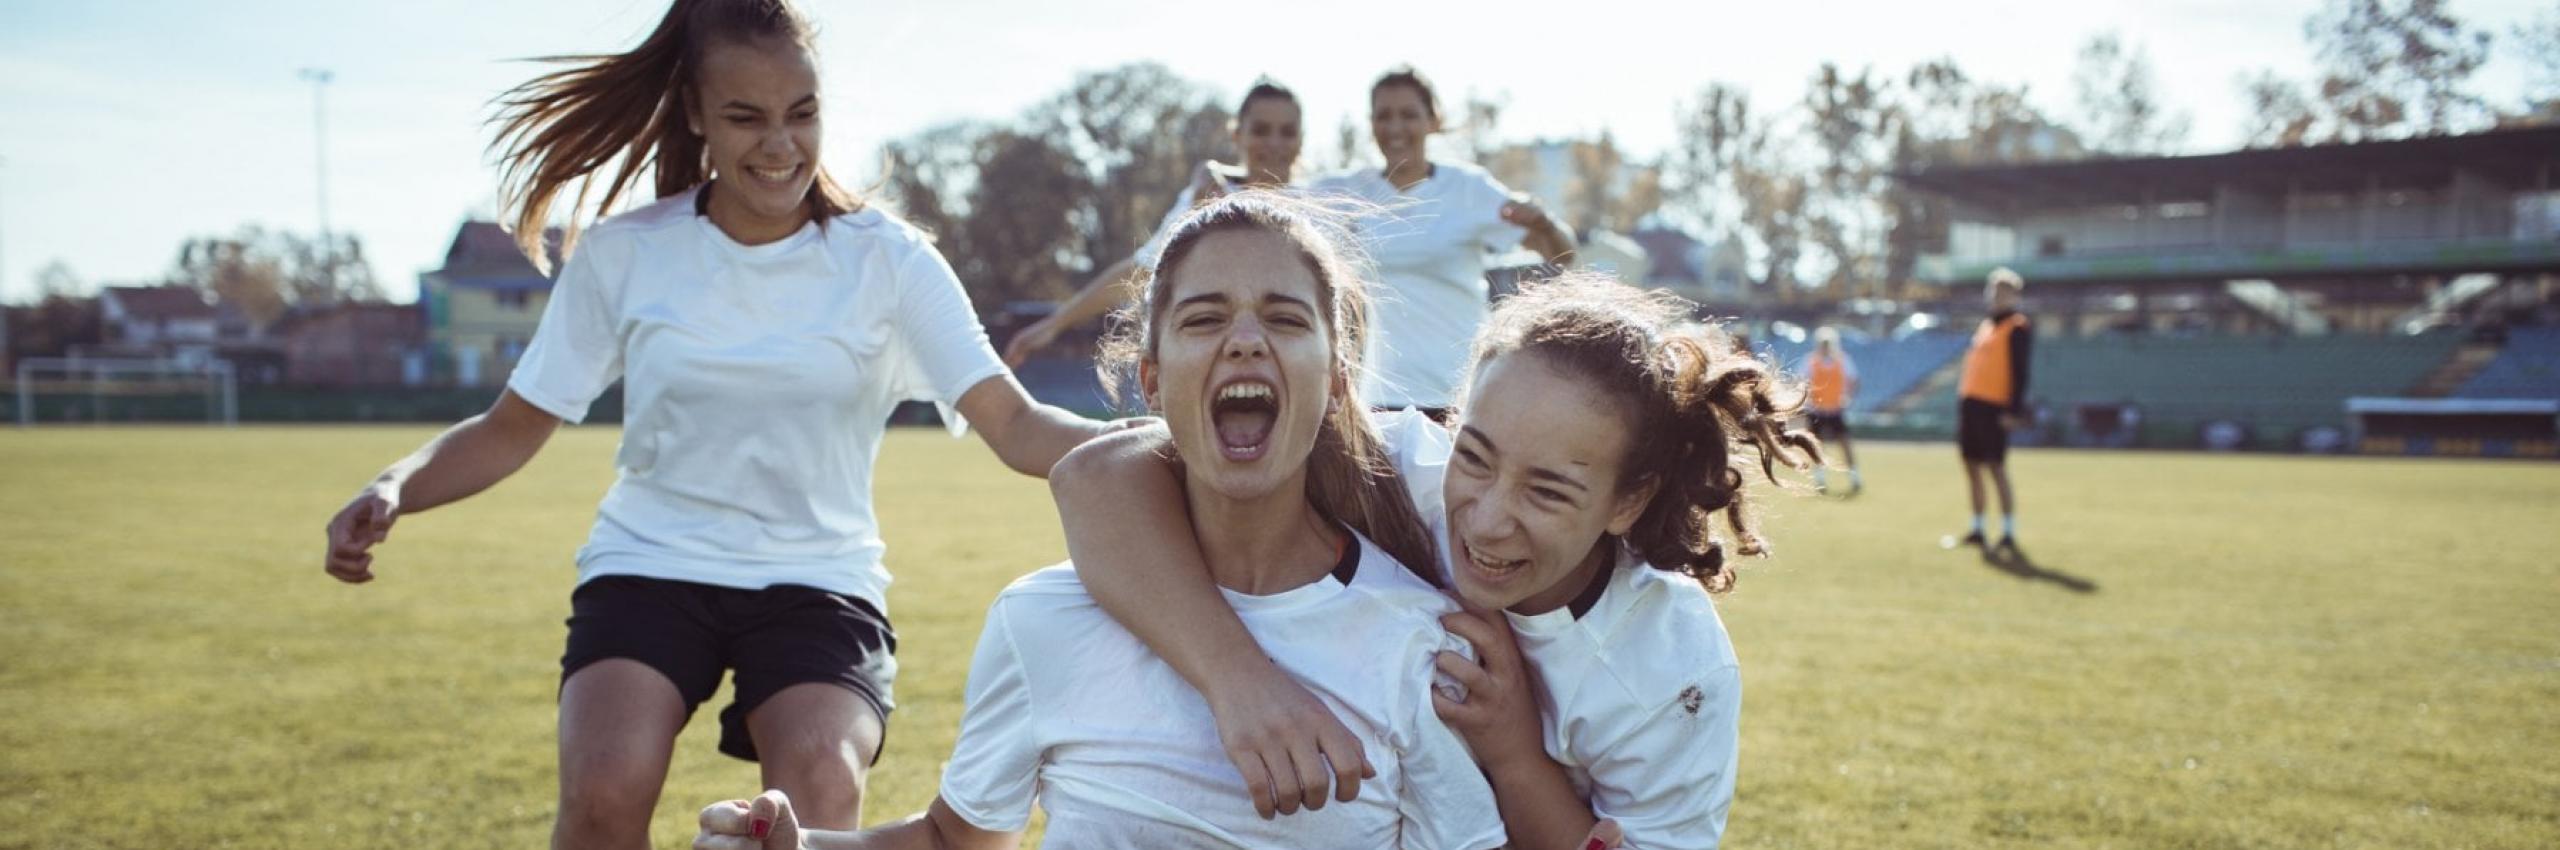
1243	413
1490	569
774	178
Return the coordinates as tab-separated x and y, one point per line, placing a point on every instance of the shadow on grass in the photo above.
2014	561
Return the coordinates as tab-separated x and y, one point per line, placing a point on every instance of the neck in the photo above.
1405	174
1262	545
744	225
1572	584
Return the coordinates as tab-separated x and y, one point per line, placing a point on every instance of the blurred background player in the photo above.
1994	392
1834	381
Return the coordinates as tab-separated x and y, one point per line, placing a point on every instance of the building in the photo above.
173	322
356	345
482	305
2365	237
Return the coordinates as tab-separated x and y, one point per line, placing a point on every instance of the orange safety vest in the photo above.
1987	372
1830	383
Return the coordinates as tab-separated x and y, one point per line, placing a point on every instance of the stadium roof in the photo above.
2522	157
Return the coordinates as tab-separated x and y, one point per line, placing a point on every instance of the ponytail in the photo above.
1702	412
630	108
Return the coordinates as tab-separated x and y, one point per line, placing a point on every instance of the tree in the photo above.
2539	40
265	274
2280	115
1850	119
1137	132
56	279
1726	162
1021	232
2119	101
2387	71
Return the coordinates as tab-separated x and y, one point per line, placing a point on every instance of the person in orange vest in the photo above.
1994	395
1834	379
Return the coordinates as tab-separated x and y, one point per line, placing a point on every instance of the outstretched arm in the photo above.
466	459
1129	534
1116	285
1027	435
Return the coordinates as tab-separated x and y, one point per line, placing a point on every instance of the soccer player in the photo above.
1246	344
1266	132
763	321
1604	437
1992	402
1834	382
1434	223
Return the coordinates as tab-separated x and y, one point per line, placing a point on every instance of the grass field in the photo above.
2211	651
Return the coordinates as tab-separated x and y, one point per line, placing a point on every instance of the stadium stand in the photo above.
2528	367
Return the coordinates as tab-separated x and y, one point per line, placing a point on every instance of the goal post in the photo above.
125	389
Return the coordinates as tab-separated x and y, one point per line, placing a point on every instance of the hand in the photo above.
1605	835
1287	744
1499	715
765	823
1030	339
2011	422
365	521
1208	182
1523	211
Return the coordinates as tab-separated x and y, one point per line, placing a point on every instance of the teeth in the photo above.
1245	390
1491	564
773	175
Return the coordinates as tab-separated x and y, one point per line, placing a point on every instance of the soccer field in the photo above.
2210	651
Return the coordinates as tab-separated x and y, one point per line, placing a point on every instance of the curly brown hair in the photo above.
1699	410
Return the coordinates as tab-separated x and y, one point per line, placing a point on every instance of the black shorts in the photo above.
1978	431
774	638
1830	426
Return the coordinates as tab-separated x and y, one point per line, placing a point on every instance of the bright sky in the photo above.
129	125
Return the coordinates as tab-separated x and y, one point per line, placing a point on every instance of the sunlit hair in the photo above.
1700	412
1349	479
1265	88
1405	75
2003	277
630	108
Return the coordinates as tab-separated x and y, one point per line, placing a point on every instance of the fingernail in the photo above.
1596	844
760	826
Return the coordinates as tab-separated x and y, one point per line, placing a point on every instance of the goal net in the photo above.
114	389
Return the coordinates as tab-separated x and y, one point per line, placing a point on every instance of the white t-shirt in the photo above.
1154	249
1641	695
759	380
1068	709
1429	242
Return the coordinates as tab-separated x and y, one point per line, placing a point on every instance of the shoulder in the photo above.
1048	590
1663	629
669	212
1471	176
876	228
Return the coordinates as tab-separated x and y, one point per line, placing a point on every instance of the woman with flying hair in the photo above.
764	321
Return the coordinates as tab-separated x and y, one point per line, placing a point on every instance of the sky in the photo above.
128	126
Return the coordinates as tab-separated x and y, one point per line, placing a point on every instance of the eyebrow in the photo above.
805	100
1221	299
1535	472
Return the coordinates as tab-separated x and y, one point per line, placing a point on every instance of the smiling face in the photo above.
1533	485
1267	132
756	107
1401	121
1242	367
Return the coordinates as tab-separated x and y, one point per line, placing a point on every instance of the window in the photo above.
513	299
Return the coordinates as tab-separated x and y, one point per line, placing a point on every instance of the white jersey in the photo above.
758	381
1429	241
1067	709
1641	695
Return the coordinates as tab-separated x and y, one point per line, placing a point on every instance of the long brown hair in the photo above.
1700	411
1349	479
568	124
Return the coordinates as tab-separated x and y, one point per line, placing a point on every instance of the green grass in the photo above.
2278	652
